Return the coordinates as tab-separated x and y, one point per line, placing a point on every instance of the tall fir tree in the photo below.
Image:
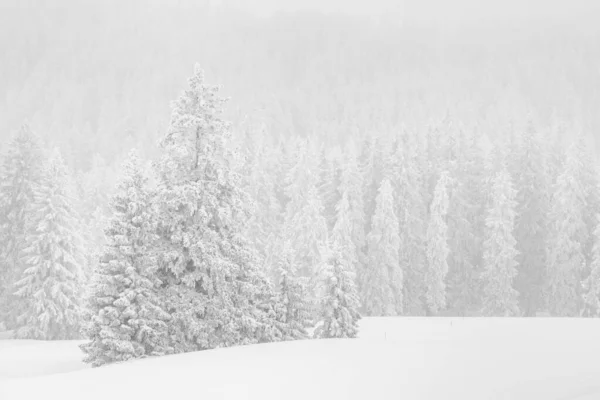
437	247
339	302
51	284
212	284
499	257
412	213
382	280
591	285
465	225
295	316
20	174
531	182
351	187
123	299
566	240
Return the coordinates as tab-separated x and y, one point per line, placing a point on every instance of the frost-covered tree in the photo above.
465	226
499	256
53	259
566	238
123	300
591	296
342	233
351	187
437	247
531	183
340	302
20	173
212	283
295	311
307	231
412	213
382	279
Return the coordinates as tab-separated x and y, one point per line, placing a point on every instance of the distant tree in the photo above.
295	314
499	257
465	225
566	238
591	295
20	174
531	182
340	302
51	284
412	213
123	300
437	247
382	280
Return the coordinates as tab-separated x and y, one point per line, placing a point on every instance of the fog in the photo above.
186	175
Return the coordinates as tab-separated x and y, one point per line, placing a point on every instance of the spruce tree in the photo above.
53	275
351	187
212	283
591	296
437	247
465	226
20	174
295	310
566	240
531	182
412	213
499	258
127	320
340	302
383	279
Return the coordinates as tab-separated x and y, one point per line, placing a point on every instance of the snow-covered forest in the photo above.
315	168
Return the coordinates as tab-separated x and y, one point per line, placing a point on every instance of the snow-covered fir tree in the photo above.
351	187
566	238
339	302
123	299
295	311
465	226
213	286
382	279
412	213
591	286
51	284
531	182
20	173
437	247
499	257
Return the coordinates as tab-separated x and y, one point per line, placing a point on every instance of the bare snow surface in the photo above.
394	358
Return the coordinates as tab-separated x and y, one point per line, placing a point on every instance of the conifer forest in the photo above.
223	177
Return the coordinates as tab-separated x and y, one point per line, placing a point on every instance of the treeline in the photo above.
437	221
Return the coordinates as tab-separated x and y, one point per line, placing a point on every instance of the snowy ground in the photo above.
394	358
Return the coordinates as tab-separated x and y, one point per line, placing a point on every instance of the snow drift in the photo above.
394	358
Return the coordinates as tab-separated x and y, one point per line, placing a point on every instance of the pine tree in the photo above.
499	258
591	296
437	247
531	181
212	284
19	176
340	301
411	212
53	275
127	320
465	226
566	238
383	279
295	316
351	187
